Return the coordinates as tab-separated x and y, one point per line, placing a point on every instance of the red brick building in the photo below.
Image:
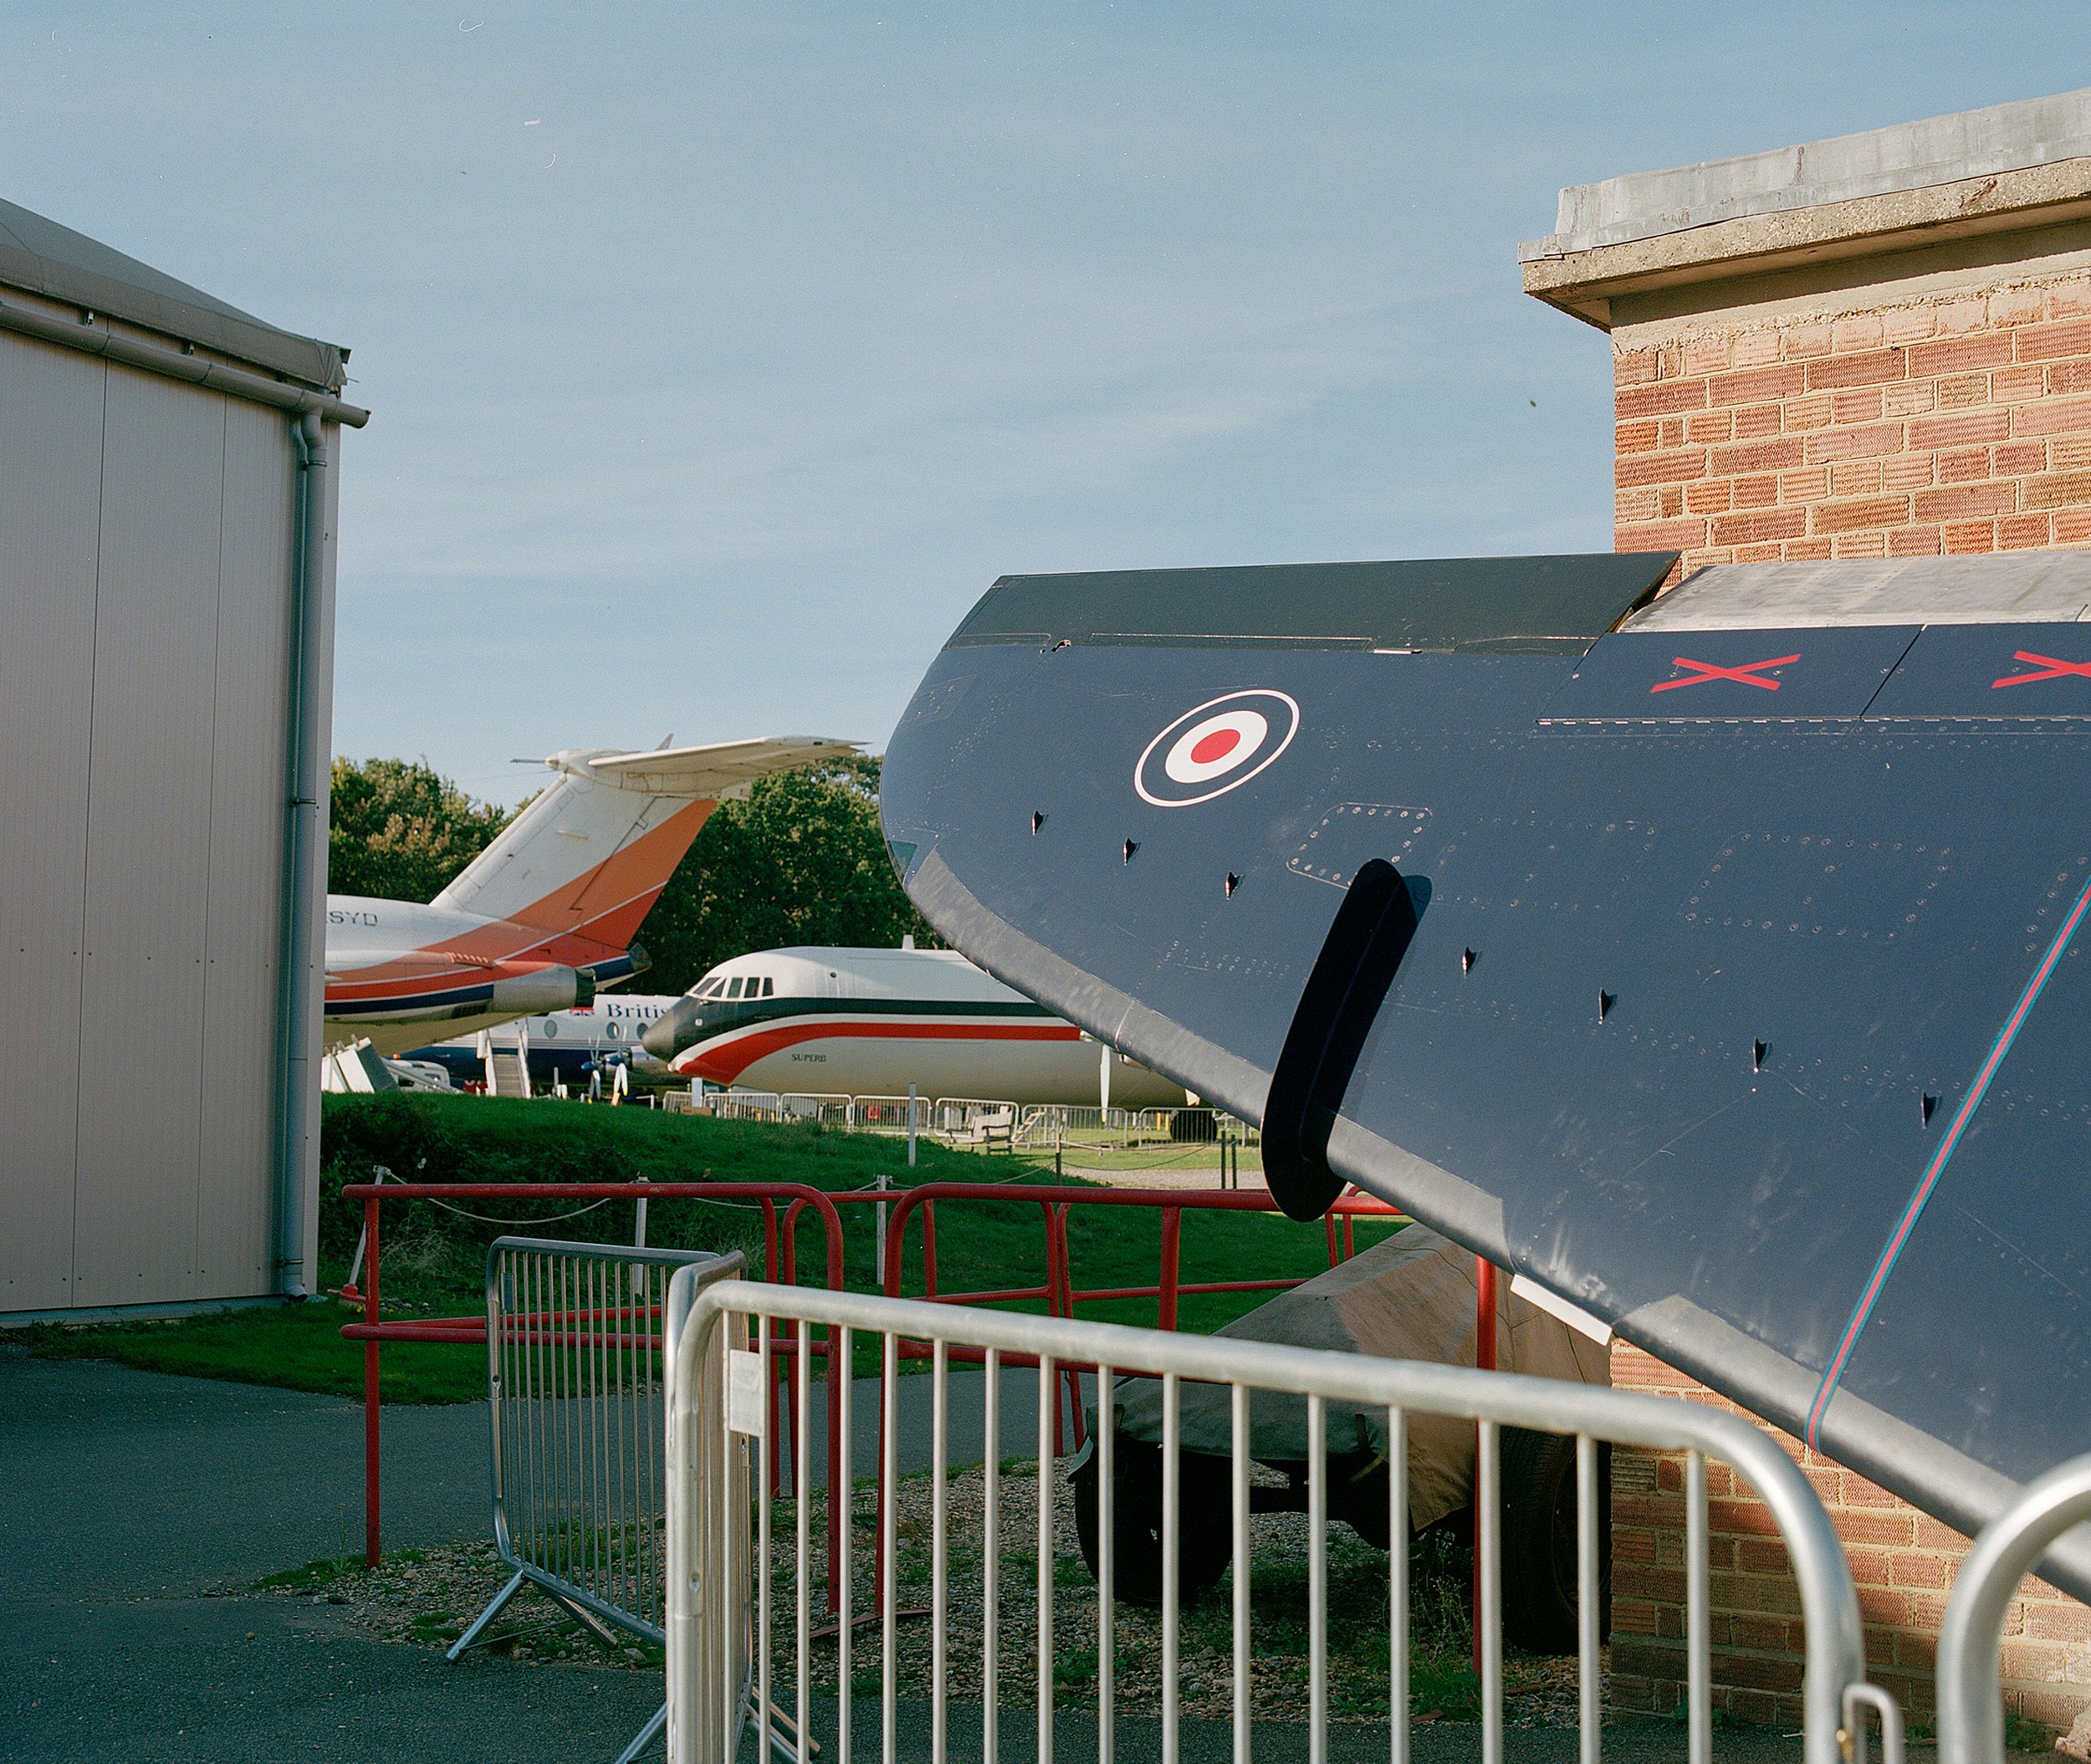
1879	346
1872	347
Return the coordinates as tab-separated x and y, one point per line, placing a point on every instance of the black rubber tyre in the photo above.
1539	1540
1358	1496
1206	1540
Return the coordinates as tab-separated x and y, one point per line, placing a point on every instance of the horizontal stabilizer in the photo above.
721	771
587	856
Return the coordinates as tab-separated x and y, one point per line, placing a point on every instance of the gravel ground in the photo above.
427	1596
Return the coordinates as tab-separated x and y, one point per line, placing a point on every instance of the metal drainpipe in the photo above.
307	866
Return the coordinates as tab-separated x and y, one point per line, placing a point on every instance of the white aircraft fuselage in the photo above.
871	1022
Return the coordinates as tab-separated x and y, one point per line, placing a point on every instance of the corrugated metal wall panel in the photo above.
236	1202
50	478
148	846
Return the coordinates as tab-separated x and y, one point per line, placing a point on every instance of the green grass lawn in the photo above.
293	1346
432	1259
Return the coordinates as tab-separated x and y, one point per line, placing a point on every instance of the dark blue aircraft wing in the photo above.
1714	962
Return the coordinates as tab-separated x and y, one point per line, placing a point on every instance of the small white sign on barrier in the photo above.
745	1404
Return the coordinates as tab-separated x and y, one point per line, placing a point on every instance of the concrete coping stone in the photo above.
1905	157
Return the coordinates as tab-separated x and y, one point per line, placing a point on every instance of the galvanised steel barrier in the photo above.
783	1205
1058	1291
1971	1699
577	1336
719	1533
375	1329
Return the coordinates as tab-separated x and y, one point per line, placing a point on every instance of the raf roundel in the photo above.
1216	746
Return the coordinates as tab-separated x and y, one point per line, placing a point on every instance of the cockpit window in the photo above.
733	987
769	988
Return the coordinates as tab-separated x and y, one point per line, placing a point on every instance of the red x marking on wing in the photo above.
2047	668
1743	674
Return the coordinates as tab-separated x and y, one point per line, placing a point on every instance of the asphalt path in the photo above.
120	1484
137	1512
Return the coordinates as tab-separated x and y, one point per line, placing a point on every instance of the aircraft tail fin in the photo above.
589	854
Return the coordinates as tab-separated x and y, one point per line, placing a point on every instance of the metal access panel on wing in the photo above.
1633	680
2034	675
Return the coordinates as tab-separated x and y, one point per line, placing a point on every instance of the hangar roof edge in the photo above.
41	257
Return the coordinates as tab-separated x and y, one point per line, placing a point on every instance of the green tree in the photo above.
802	860
400	831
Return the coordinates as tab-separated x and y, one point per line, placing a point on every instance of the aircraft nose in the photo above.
672	1031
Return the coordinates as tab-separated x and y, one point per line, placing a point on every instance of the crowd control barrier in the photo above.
783	1205
1971	1700
375	1329
576	1337
721	1595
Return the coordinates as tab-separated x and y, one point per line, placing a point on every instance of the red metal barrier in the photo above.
1059	1292
373	1333
1057	1201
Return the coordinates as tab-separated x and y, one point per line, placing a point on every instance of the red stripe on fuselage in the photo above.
724	1064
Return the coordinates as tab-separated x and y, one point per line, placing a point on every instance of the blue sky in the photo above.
722	357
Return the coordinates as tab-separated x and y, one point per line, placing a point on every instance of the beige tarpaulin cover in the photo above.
1410	1298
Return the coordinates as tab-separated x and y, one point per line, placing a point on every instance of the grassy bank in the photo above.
434	1256
290	1347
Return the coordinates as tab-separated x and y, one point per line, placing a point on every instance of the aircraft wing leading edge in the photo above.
1726	976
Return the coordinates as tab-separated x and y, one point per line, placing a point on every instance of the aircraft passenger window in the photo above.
615	1030
551	1030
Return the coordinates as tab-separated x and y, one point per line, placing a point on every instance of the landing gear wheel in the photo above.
1204	1537
1539	1540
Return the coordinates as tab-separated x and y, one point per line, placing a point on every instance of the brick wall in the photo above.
1943	422
1903	1561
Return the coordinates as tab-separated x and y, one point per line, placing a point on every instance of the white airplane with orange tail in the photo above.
550	910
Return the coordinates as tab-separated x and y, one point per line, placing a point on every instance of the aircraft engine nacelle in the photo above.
536	992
